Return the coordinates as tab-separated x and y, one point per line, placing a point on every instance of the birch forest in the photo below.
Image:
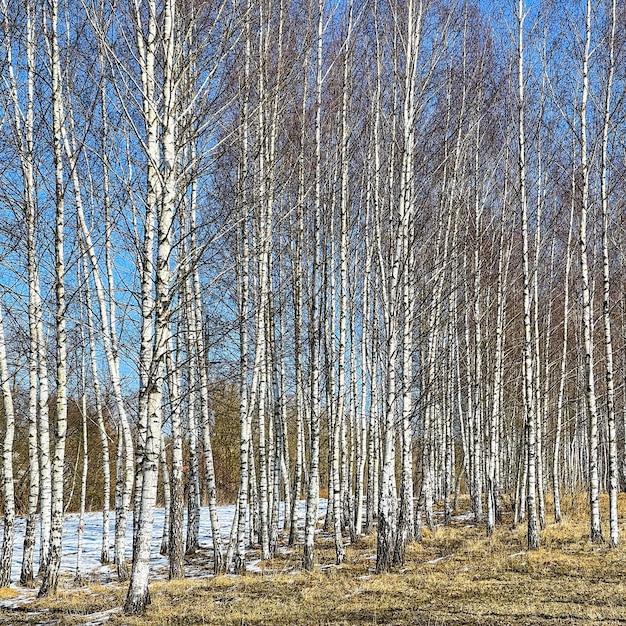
282	253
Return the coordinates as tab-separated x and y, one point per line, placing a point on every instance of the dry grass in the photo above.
7	593
455	576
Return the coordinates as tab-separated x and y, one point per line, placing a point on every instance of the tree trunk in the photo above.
8	492
80	530
176	545
590	392
167	500
138	594
51	575
606	295
529	393
315	324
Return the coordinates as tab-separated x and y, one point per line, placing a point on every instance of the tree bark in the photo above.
590	391
51	575
8	488
529	392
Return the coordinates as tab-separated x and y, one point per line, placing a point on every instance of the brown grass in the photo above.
455	576
7	593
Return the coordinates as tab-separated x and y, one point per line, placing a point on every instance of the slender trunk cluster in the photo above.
358	225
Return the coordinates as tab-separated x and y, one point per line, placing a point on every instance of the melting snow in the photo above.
92	543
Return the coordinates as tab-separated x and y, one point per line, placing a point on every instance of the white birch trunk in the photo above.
192	541
529	395
407	210
312	500
492	483
146	47
8	489
38	455
556	461
539	409
243	296
366	373
80	529
206	413
176	545
590	392
341	357
606	292
218	558
239	565
138	593
298	308
167	499
284	434
102	432
476	415
51	575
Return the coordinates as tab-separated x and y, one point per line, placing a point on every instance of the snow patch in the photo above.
441	558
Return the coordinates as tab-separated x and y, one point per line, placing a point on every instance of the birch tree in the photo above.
243	295
8	489
606	295
102	431
556	461
312	500
23	122
406	210
84	449
176	546
590	392
529	393
51	575
138	595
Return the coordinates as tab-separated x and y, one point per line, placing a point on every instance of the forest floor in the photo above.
456	575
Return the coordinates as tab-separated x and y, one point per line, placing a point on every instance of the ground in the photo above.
455	576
